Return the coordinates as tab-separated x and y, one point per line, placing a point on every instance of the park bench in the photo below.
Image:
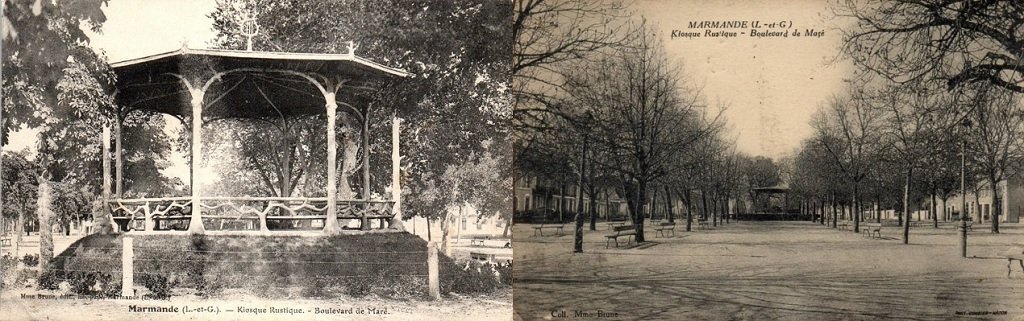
5	242
628	231
489	257
616	223
539	229
666	226
702	224
844	225
483	257
873	228
478	240
1014	254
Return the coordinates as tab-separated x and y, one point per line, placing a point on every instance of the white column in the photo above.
127	267
331	222
105	208
106	166
118	156
195	225
365	222
396	173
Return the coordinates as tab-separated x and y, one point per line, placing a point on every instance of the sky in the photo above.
138	28
770	85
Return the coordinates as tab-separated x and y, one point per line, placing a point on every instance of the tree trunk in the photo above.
459	226
607	206
935	212
996	208
508	226
704	204
725	209
977	206
714	210
639	218
906	206
668	203
878	211
17	232
689	212
593	209
855	208
821	217
45	215
430	226
578	237
654	202
835	213
445	226
561	201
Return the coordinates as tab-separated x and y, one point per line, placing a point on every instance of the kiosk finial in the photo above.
249	29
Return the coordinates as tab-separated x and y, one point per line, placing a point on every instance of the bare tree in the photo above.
848	130
915	114
995	140
644	118
959	41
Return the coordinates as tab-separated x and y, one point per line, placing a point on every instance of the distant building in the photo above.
980	206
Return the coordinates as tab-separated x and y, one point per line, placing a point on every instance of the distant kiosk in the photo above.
202	85
773	207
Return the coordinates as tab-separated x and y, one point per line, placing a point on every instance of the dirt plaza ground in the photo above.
769	271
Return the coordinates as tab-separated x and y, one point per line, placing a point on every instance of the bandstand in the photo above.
202	85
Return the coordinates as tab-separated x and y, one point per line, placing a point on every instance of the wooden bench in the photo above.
1014	254
478	240
5	242
843	225
873	228
539	229
702	224
666	226
616	223
628	231
489	257
483	257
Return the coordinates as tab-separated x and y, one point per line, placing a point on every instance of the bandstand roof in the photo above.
244	84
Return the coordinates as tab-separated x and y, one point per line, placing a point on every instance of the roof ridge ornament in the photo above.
352	48
249	28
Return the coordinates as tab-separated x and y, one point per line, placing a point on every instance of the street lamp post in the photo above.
963	190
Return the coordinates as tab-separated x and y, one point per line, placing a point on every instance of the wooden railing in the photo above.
247	213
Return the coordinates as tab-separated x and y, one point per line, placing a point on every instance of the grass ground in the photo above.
770	271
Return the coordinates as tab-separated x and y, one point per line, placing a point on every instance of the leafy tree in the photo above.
38	38
19	186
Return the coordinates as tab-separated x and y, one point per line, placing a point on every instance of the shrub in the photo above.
467	278
30	260
82	282
8	268
157	285
110	287
317	288
50	279
504	273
